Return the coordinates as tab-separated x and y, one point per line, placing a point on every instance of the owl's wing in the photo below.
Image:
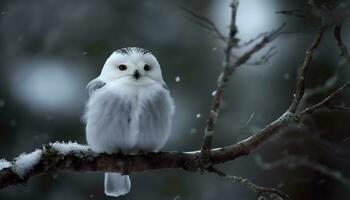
94	85
165	87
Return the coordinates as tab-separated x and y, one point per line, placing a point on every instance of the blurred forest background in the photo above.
49	51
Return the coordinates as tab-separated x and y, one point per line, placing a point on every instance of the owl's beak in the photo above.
136	74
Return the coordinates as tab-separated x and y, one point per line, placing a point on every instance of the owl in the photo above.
129	109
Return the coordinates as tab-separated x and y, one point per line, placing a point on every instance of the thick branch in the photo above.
53	160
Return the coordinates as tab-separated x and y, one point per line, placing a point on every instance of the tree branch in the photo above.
327	86
222	81
297	161
326	102
295	13
56	160
83	160
342	47
260	191
205	23
225	76
300	88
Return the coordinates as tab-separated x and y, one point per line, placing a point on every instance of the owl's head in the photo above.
132	65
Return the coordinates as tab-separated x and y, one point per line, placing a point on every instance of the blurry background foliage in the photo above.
49	50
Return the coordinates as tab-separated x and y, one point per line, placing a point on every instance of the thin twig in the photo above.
326	102
300	88
263	59
342	47
266	57
297	161
325	88
205	23
260	191
294	13
222	81
249	42
269	37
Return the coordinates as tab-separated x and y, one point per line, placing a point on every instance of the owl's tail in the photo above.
116	184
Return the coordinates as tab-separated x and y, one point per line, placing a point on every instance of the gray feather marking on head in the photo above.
130	50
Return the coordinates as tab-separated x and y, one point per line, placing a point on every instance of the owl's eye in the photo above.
146	67
122	67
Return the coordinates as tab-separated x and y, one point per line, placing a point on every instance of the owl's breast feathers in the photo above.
132	119
155	120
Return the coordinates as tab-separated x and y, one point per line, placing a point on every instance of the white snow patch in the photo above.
177	79
70	147
25	162
4	164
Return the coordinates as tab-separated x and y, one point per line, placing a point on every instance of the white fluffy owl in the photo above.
129	109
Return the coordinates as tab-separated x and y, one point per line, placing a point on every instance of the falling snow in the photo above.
198	115
2	103
250	118
286	76
193	131
213	93
177	79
